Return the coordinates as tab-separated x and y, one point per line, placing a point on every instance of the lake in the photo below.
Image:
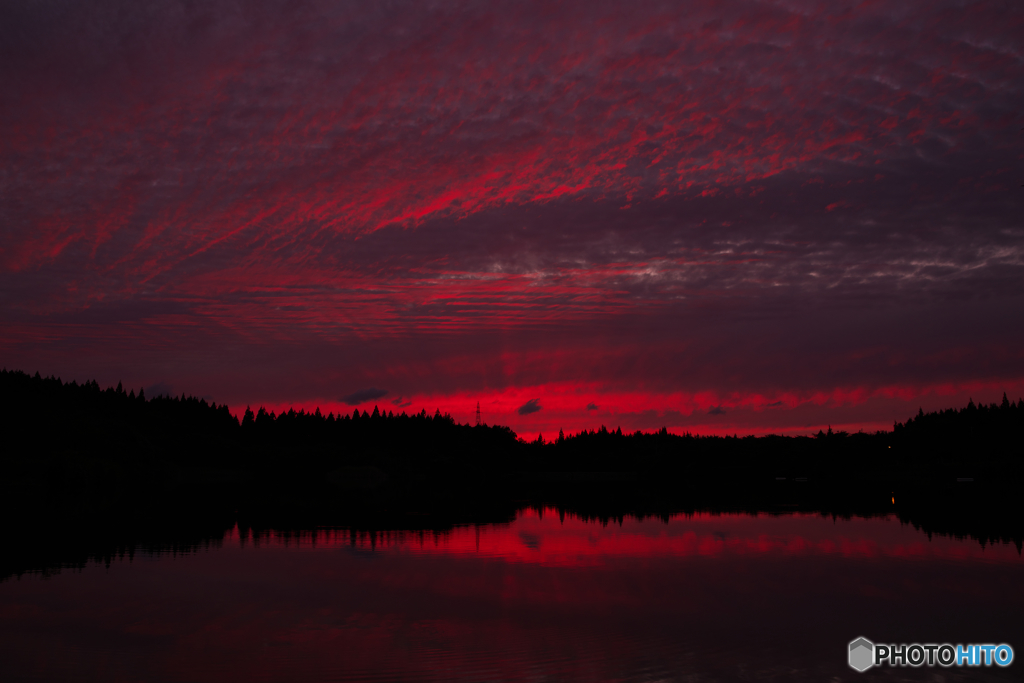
703	597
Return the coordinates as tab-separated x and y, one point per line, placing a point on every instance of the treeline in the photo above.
110	468
80	450
977	440
45	418
974	426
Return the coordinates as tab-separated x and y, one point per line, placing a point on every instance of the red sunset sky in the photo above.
730	216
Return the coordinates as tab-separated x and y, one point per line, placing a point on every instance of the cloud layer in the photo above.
726	200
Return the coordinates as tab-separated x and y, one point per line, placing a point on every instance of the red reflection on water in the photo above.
545	537
702	597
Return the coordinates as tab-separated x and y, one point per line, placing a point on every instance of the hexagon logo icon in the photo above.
862	654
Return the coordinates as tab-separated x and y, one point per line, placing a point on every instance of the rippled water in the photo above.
699	598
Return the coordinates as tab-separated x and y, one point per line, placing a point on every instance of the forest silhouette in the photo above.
108	469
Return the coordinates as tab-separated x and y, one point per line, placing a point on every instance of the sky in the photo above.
718	217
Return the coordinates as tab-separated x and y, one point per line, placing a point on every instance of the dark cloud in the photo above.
362	396
531	406
591	406
716	410
159	389
400	402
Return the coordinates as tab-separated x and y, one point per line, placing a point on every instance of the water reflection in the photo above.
546	597
545	537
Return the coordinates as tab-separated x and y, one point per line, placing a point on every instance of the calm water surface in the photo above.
700	598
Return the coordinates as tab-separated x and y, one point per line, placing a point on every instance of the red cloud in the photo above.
464	201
